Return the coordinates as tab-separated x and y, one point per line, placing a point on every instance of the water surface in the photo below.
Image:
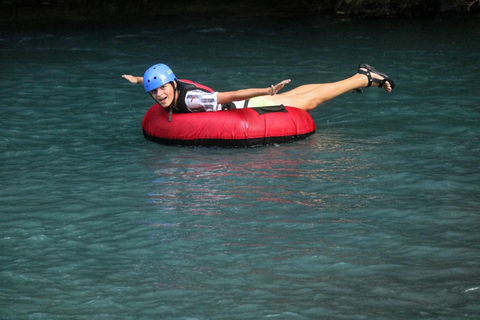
376	216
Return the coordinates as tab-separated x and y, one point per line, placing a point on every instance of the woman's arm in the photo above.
239	95
133	79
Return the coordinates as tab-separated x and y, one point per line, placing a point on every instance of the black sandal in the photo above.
371	80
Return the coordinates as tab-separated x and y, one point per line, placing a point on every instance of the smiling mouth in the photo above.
162	100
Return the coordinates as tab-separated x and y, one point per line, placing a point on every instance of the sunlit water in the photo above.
376	216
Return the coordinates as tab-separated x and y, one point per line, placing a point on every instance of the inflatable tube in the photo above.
248	127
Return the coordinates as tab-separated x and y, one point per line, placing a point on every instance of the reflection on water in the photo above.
194	183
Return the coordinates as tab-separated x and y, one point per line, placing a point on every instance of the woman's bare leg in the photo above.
308	97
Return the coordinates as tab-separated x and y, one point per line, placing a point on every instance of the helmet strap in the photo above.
174	102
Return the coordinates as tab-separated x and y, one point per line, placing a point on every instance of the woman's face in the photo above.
164	95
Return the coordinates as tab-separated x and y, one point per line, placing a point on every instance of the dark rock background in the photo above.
41	13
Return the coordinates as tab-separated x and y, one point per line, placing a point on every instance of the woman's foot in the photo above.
376	78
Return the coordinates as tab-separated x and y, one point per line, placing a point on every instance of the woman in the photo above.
183	97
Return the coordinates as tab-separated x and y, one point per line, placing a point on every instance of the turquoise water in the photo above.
376	216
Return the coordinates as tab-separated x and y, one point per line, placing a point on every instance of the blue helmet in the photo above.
156	76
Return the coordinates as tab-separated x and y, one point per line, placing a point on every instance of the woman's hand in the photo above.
133	79
279	86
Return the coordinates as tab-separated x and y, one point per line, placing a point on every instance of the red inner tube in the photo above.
246	127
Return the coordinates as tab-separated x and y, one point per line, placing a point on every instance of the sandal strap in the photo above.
368	74
380	82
